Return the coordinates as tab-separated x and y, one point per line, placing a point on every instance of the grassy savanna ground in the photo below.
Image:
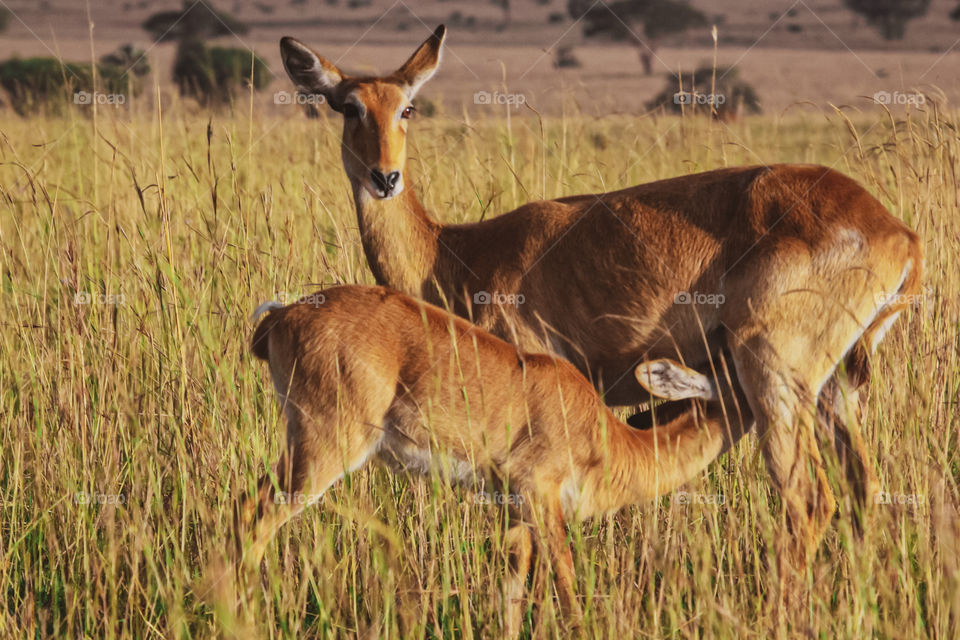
134	250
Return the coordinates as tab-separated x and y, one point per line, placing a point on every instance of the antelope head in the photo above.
375	109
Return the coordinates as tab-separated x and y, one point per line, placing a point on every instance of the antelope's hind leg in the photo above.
784	356
530	547
840	413
783	406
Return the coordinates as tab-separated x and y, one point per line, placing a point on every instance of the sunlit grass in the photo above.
133	252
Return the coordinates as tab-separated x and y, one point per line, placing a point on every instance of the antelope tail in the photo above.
260	344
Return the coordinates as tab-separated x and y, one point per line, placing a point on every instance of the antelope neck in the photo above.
399	238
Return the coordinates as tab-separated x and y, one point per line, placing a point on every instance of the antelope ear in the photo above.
422	64
671	380
311	73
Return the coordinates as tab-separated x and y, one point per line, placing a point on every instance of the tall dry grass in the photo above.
134	248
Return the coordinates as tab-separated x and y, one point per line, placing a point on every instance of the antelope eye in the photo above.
350	111
407	113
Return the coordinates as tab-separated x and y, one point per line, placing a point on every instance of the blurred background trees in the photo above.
718	92
643	23
890	17
211	75
49	83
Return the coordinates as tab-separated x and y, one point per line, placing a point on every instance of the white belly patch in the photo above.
421	460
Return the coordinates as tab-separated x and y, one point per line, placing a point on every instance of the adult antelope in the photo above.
435	392
813	270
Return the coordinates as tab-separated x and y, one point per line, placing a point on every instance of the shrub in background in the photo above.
50	84
214	75
729	98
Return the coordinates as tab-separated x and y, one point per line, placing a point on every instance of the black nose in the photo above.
384	183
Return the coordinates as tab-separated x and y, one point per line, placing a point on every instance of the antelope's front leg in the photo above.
555	539
519	547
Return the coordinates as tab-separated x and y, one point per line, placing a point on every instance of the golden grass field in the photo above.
134	248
